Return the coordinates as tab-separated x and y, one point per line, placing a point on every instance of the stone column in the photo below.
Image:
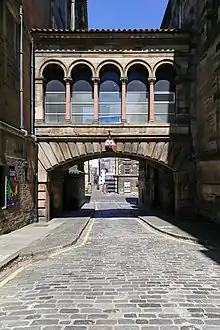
151	99
123	98
68	99
96	99
39	100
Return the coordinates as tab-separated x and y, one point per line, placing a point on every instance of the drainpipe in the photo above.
33	130
32	87
73	15
21	70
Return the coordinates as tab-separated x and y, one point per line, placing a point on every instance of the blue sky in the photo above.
126	14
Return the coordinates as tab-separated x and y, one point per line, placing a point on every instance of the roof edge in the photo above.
110	30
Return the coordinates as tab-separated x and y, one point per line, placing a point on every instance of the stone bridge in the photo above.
133	83
62	147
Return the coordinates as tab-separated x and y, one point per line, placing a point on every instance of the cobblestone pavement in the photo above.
125	277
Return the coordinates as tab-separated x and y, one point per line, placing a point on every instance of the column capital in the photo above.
67	79
96	80
124	80
152	80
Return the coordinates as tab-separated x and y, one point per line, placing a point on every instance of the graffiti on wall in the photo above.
12	187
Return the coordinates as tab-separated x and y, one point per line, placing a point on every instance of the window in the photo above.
127	187
2	186
126	169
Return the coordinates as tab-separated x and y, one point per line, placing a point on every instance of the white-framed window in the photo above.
127	187
127	169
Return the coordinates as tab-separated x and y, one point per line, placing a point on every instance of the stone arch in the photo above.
49	62
109	62
167	154
166	61
138	62
81	62
54	158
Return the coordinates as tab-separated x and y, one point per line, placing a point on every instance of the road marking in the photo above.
13	275
77	245
21	269
167	236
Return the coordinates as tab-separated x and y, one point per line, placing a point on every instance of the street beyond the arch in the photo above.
121	274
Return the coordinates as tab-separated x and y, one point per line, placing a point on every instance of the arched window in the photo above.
137	95
82	96
110	96
165	94
55	99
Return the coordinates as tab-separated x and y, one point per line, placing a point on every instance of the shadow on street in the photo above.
206	233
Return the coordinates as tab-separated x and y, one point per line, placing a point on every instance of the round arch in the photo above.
53	62
141	63
109	62
158	153
170	62
85	63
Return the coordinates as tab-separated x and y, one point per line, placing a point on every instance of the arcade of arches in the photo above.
110	98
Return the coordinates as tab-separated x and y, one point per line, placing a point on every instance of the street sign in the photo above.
110	142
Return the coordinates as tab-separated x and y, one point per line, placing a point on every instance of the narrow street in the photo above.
120	275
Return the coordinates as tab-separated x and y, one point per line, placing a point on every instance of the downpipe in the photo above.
21	55
73	14
33	130
32	106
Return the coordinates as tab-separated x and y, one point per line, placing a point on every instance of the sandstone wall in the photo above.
12	153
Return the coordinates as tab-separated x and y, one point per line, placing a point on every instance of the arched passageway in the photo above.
170	159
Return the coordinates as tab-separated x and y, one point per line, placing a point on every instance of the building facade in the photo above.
203	19
17	147
131	83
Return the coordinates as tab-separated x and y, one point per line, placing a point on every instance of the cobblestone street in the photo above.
121	275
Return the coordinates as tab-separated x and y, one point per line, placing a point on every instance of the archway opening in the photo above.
137	95
110	95
54	94
165	93
111	180
82	103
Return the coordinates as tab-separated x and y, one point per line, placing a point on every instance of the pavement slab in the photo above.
43	238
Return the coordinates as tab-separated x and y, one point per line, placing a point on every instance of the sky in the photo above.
126	14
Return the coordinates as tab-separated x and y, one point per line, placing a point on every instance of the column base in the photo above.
67	121
95	121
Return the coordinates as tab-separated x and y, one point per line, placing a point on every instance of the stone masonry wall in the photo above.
12	154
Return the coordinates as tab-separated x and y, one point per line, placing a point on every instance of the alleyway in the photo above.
121	275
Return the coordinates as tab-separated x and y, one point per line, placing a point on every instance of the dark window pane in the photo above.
55	86
82	86
160	97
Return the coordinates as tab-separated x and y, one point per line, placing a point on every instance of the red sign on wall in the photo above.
110	142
